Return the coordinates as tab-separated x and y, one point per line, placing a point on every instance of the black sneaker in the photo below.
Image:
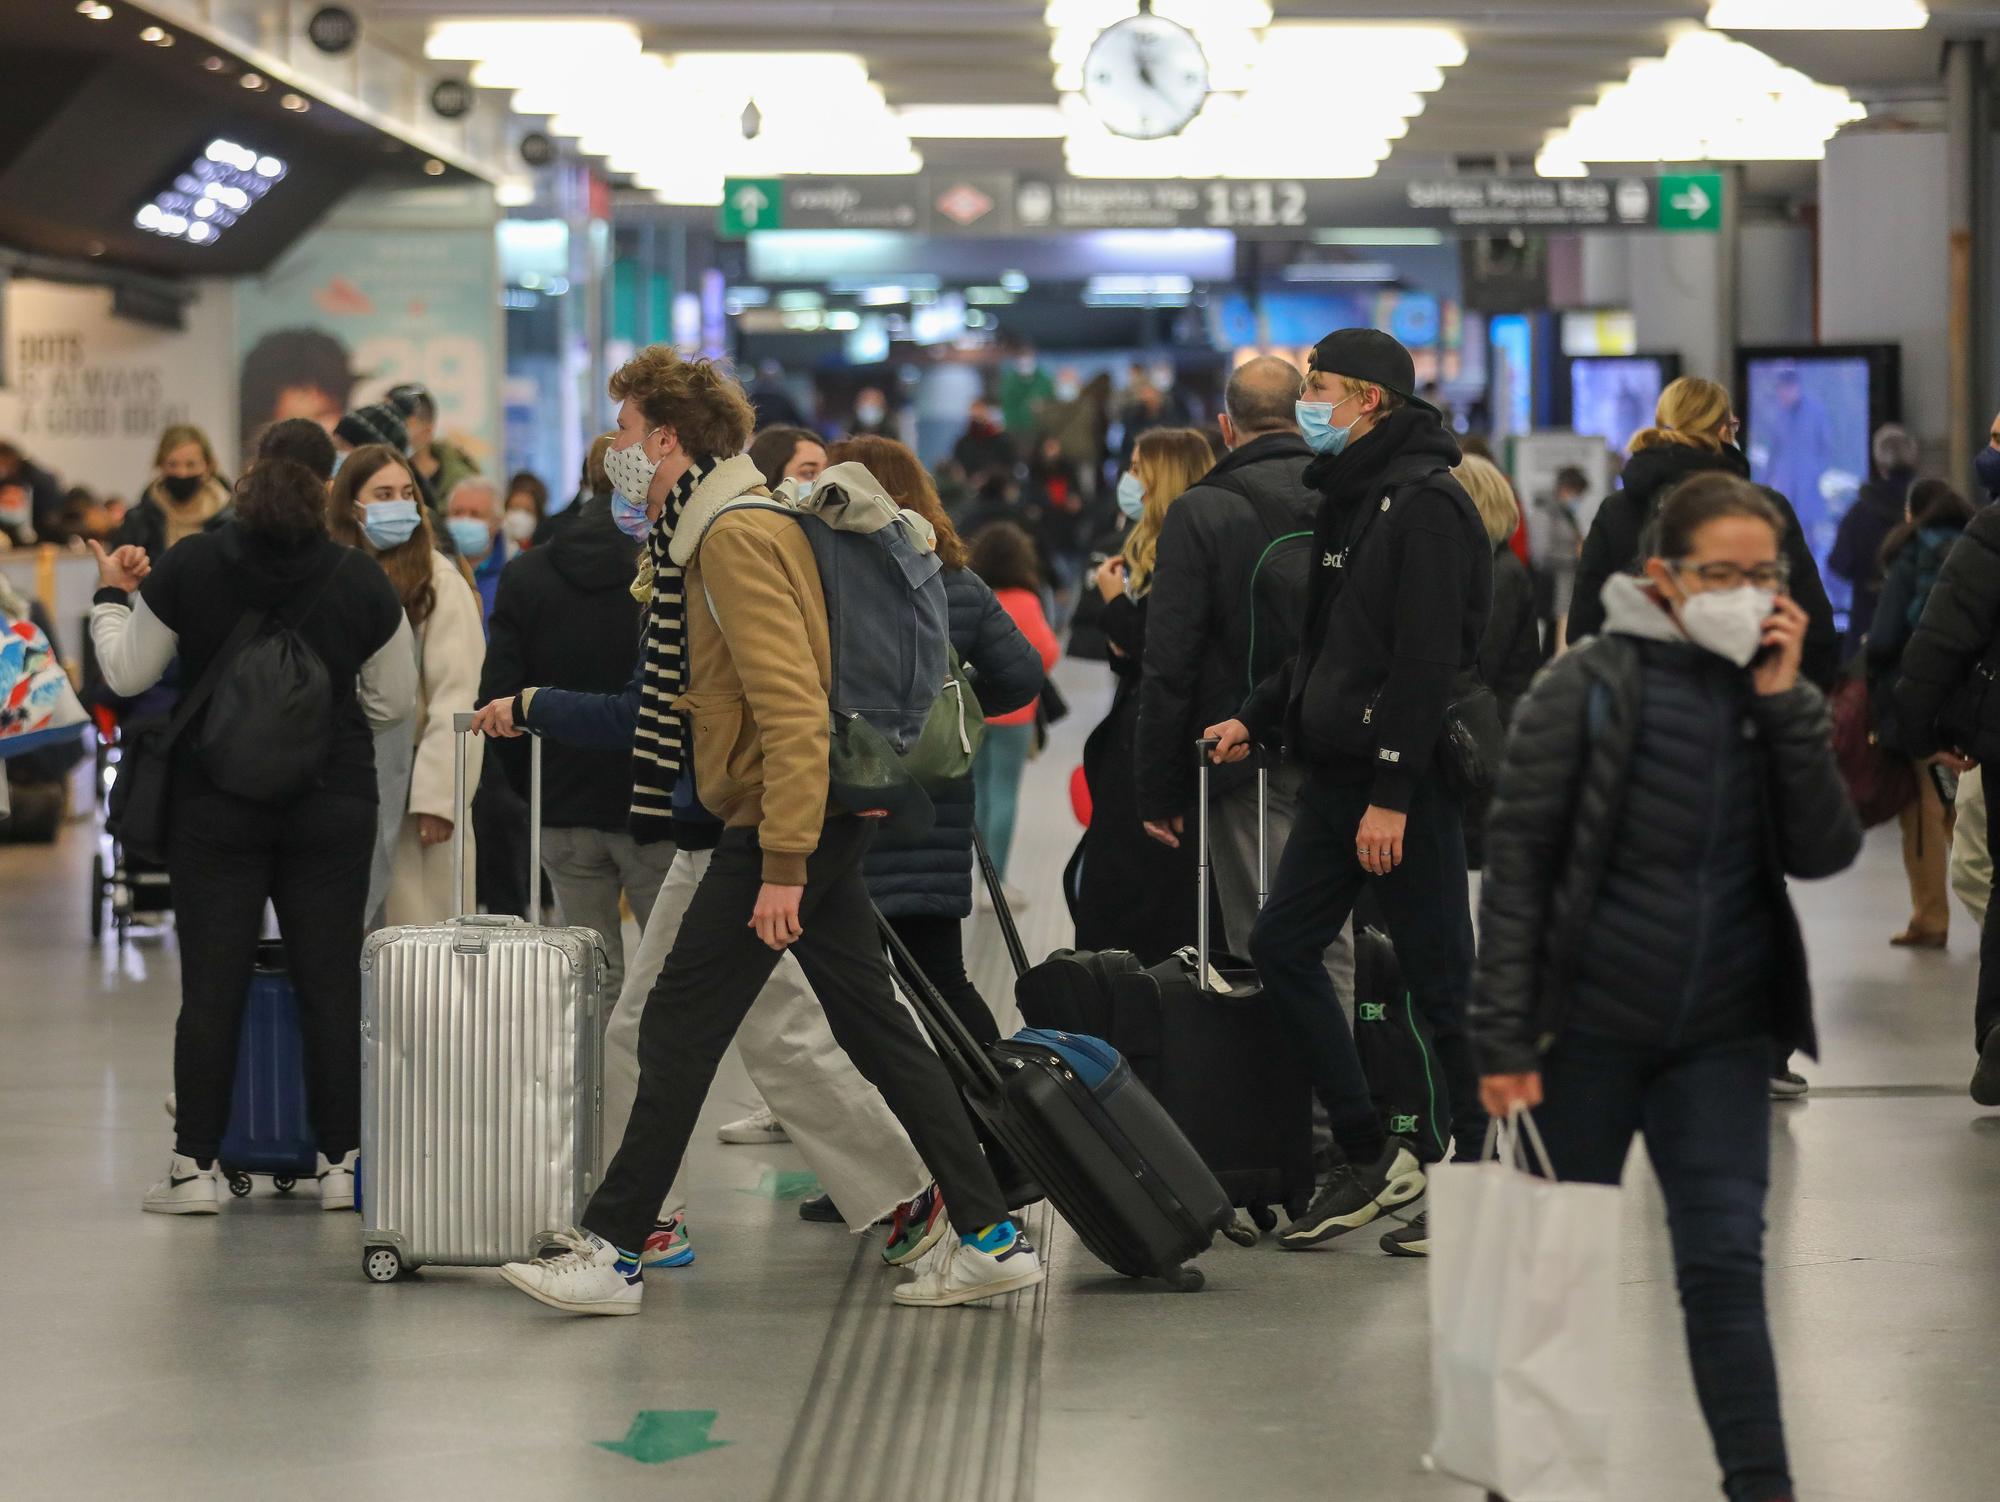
1986	1078
1791	1085
820	1208
1412	1239
1354	1196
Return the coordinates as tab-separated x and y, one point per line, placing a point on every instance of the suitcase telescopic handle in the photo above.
461	798
952	1039
1203	748
1010	932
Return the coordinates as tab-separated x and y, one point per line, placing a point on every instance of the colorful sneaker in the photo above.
188	1189
915	1228
999	1260
590	1277
669	1245
336	1182
759	1129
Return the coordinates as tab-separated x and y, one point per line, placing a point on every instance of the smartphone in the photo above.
1946	782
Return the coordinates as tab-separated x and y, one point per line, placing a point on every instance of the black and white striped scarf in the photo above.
658	743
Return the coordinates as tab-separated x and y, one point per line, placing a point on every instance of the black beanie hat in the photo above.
378	422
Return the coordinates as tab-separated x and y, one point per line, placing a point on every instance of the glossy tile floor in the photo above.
245	1357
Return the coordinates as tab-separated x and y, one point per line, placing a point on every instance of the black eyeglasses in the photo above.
1730	575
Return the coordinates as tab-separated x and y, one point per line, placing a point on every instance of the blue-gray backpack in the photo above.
904	719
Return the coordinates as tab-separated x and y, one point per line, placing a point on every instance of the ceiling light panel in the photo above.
1818	15
1708	99
220	186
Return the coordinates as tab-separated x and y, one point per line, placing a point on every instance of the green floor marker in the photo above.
659	1435
792	1185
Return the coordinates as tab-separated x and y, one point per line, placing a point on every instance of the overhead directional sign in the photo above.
1691	201
1272	208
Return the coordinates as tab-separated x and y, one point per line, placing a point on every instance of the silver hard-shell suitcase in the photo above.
482	1073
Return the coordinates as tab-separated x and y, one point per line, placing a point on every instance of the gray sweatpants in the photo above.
590	869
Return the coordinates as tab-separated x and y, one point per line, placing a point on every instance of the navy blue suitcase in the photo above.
1070	1111
270	1131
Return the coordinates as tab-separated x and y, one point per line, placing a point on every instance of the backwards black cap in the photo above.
1370	355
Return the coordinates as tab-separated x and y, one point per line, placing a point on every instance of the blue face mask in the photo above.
389	524
630	519
1986	464
1131	495
1316	424
803	489
470	536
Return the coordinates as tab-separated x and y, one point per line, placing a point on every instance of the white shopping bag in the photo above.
1524	1283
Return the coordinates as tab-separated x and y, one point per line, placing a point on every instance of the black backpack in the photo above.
1279	581
270	720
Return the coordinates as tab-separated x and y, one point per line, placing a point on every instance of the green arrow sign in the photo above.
658	1435
1691	201
751	203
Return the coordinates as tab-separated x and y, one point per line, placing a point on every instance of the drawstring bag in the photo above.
943	751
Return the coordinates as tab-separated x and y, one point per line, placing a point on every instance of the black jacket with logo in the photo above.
1397	606
1198	642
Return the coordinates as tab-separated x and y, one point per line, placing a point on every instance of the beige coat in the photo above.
451	649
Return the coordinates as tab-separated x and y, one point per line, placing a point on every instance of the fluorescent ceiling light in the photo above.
1339	271
1364	237
982	122
1818	15
1134	284
220	186
1708	99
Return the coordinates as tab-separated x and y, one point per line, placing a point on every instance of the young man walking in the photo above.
735	595
1401	586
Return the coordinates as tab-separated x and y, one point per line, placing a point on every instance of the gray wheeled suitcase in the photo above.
482	1073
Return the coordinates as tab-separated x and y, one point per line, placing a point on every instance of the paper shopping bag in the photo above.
1523	1283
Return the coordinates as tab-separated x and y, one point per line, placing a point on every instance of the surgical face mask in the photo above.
803	489
183	487
1728	622
389	524
518	525
870	413
630	470
630	519
1068	388
1131	495
1316	423
1986	464
469	535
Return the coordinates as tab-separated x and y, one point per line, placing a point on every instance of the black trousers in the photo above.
938	946
710	978
227	857
1986	1008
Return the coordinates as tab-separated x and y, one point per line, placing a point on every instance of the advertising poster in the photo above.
349	313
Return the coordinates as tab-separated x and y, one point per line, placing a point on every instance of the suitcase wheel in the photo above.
382	1264
1266	1219
1241	1232
1183	1279
239	1184
284	1183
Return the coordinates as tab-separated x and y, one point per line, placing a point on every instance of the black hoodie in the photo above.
564	617
1397	606
1615	542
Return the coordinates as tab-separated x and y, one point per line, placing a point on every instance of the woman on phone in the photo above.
1639	956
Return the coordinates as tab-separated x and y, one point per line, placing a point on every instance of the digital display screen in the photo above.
1612	398
1807	437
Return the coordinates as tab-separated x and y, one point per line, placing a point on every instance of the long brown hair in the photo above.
909	484
1167	461
408	564
1932	503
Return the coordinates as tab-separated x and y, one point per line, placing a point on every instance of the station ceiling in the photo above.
1530	62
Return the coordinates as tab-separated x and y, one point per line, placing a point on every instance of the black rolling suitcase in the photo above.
1069	1109
1216	1055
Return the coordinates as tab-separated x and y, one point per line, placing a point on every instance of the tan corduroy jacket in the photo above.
759	668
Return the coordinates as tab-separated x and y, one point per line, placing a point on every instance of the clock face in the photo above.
1146	77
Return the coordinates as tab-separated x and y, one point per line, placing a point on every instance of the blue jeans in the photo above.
996	786
1706	1116
1426	909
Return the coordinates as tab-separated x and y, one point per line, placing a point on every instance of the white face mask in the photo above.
1728	622
630	471
519	525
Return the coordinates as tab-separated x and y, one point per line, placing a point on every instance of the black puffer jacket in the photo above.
1613	546
1511	650
1959	627
564	617
1198	648
1648	812
932	877
1397	605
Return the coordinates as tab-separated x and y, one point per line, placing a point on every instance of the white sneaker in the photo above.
172	1107
965	1275
582	1280
336	1182
759	1129
188	1189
